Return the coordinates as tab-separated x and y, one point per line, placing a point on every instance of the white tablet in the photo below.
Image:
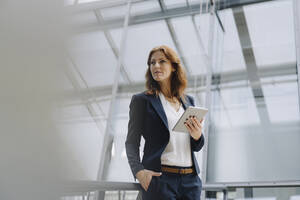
199	112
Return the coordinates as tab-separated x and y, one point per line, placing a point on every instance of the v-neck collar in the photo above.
167	103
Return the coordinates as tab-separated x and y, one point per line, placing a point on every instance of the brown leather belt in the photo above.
176	170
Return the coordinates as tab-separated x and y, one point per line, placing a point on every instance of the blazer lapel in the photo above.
157	105
185	105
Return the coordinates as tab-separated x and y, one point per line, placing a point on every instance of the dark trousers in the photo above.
170	186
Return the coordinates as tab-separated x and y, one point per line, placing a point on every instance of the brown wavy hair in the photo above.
178	77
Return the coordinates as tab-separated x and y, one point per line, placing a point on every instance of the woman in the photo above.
169	169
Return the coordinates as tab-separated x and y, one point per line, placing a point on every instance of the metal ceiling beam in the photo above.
189	90
251	66
139	19
86	7
217	79
144	18
224	4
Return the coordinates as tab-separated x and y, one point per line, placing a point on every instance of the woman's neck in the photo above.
166	88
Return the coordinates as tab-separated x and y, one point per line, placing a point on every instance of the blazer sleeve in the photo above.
196	145
133	139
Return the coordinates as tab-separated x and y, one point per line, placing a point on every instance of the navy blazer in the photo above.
147	118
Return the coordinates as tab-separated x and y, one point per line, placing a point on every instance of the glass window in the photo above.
255	124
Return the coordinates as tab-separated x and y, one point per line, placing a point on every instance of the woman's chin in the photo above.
158	79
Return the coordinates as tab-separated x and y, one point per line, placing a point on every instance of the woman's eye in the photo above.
152	63
162	61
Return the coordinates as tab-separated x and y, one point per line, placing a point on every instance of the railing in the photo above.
88	190
85	188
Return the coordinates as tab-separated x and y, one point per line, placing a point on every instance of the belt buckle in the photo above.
181	171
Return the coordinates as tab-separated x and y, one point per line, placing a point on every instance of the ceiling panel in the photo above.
94	58
140	40
232	52
75	112
187	38
193	2
83	18
114	12
88	1
202	23
271	29
146	7
282	98
235	104
68	2
227	49
175	3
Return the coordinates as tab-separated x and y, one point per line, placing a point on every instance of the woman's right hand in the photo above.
145	177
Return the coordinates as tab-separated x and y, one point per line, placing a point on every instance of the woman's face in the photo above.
160	67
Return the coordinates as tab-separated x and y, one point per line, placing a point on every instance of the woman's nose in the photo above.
156	64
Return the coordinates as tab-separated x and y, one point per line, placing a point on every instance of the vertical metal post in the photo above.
108	136
296	6
202	47
248	193
208	92
124	195
109	129
225	194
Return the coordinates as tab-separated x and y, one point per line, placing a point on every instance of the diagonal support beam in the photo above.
71	76
174	38
113	46
251	65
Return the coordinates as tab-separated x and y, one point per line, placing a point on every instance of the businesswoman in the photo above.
169	169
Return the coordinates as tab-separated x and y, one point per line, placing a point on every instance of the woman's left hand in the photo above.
194	127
